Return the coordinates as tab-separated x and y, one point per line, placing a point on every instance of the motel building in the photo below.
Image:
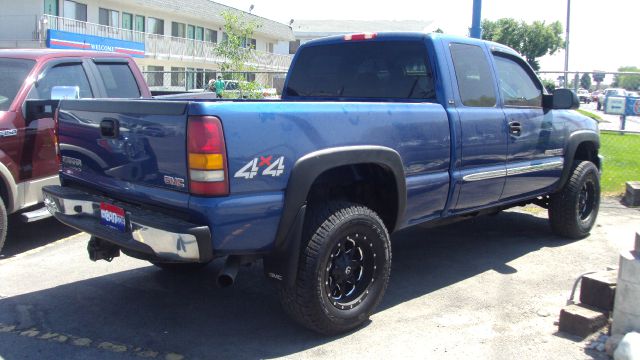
173	42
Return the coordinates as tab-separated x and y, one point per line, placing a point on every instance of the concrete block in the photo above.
632	195
626	314
598	289
629	269
581	320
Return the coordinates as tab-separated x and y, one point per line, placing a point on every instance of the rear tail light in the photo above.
363	36
207	157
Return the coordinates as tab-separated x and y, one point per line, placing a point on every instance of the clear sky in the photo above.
604	33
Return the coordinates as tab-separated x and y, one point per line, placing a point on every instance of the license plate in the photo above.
112	216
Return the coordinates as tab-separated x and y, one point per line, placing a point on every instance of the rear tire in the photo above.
343	271
573	210
179	268
3	224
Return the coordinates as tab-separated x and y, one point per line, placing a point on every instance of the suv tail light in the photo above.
207	157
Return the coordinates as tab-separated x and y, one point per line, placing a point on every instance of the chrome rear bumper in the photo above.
148	234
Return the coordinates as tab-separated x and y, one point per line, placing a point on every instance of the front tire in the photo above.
343	271
573	210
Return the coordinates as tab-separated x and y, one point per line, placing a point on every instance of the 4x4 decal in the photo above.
253	167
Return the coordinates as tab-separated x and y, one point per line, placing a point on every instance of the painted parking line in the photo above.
80	342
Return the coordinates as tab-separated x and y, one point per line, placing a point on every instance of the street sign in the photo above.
633	106
615	105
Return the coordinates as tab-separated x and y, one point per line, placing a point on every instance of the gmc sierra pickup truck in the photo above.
374	133
28	83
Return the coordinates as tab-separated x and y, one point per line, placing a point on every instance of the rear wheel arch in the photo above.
312	169
8	189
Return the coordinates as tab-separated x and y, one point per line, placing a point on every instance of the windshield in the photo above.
12	75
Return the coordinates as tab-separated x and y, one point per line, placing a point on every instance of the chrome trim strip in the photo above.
486	175
534	168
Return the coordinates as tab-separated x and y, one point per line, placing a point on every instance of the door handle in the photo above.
515	129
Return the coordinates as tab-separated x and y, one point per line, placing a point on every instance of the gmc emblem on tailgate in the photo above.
174	181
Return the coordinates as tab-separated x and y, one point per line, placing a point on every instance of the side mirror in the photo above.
561	99
65	92
39	109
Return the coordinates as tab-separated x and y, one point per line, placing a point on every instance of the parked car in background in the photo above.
31	84
234	89
595	94
584	96
609	92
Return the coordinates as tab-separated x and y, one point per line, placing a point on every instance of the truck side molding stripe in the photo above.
512	172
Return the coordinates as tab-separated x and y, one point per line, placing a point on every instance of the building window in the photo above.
108	17
139	24
270	47
211	36
177	29
249	43
199	33
127	21
51	7
155	26
75	10
155	75
293	46
225	37
191	32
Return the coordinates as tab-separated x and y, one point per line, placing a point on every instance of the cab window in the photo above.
516	84
475	82
61	75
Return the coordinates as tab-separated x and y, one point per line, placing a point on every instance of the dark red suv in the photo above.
28	159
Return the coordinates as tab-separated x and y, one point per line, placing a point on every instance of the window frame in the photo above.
67	62
527	69
158	21
76	3
110	13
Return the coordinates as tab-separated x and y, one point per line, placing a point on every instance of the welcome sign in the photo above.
57	39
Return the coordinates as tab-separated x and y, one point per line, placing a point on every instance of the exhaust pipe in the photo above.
227	275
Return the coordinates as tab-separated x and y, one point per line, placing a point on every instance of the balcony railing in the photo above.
167	47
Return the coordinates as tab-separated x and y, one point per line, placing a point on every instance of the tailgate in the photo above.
127	142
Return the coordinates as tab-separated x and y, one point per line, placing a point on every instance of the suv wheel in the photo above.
344	269
573	210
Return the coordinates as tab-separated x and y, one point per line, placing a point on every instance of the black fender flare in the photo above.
575	139
282	263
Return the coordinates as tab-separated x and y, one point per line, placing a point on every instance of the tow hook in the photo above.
102	250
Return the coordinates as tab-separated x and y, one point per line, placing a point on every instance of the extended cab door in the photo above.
481	169
534	158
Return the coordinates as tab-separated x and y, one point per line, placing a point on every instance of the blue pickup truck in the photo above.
374	133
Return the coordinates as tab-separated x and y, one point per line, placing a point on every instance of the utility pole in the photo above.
476	31
566	46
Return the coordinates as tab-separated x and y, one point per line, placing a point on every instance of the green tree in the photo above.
630	81
585	81
439	31
549	85
235	53
531	40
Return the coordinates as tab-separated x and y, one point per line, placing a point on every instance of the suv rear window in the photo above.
118	80
362	70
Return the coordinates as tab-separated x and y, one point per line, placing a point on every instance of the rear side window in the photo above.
118	80
389	70
61	75
475	82
516	85
12	75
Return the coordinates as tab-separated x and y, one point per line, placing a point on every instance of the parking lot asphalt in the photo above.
486	288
